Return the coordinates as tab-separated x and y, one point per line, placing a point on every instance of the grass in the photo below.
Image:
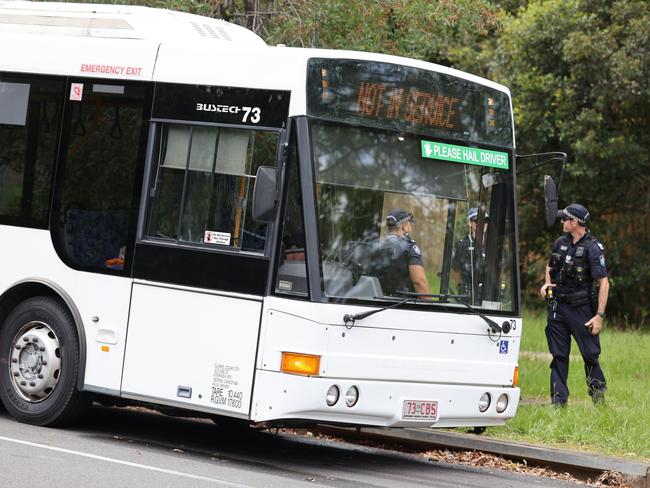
620	427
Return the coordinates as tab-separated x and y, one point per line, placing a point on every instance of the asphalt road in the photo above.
125	448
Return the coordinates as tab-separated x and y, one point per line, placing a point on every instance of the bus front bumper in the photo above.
281	396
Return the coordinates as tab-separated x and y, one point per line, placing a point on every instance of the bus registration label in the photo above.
420	410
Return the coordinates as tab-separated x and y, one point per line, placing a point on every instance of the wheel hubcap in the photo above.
35	364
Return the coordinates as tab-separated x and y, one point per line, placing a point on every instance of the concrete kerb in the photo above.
637	473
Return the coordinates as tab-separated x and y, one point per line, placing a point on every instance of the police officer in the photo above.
576	287
462	263
398	260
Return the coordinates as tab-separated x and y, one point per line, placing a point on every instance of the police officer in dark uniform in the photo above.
397	262
462	262
576	288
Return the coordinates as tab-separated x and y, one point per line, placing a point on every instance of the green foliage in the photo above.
578	71
414	28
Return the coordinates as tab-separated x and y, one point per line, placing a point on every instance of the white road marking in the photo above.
125	463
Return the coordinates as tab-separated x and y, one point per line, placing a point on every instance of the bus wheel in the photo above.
39	363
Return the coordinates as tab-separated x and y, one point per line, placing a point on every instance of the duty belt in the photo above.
580	297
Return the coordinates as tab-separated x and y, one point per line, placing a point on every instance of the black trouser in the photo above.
566	321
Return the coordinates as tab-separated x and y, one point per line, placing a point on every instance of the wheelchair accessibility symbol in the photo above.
503	347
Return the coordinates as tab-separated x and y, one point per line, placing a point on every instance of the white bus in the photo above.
189	218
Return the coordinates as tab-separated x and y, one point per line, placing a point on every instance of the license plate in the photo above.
420	410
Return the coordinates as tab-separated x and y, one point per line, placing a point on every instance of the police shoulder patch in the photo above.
602	248
416	249
601	260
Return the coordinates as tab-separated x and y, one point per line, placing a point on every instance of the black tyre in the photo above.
39	363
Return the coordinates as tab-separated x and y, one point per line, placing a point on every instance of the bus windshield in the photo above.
462	217
391	141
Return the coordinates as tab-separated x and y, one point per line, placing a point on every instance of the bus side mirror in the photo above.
265	194
550	200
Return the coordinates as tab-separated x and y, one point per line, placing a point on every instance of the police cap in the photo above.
398	216
472	214
575	211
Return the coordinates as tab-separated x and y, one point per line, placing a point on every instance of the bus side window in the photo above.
292	270
202	183
30	115
100	176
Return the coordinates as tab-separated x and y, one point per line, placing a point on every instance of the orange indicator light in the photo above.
515	376
105	348
307	364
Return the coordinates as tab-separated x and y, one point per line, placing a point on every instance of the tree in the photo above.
579	72
414	28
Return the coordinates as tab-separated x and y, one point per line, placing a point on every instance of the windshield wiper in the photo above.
350	319
459	298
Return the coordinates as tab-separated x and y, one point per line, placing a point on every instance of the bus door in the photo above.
202	262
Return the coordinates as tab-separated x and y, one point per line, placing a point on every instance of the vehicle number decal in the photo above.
255	113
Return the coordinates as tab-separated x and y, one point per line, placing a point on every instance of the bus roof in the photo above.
117	22
147	44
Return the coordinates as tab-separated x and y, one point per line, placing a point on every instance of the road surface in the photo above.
113	448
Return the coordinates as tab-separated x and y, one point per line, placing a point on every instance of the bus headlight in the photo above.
352	396
332	395
484	402
502	403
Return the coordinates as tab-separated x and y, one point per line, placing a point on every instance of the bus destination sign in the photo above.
416	107
408	99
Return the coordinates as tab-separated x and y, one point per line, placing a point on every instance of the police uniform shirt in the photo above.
594	261
413	252
396	255
461	262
